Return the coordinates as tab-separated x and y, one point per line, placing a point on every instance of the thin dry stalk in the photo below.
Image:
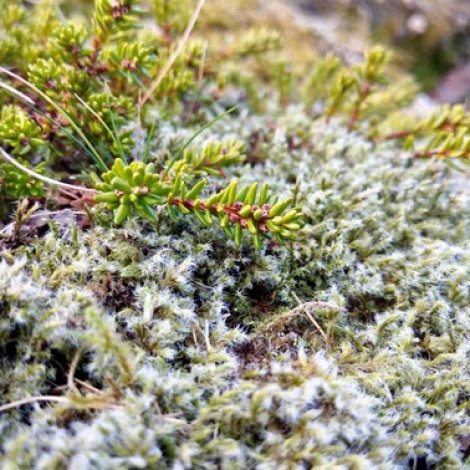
42	178
303	309
73	368
26	401
184	39
89	387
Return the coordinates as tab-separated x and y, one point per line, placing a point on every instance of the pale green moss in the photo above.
161	344
156	312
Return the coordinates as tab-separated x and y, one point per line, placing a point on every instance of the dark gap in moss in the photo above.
420	462
113	292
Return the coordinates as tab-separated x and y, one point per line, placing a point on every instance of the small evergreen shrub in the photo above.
325	326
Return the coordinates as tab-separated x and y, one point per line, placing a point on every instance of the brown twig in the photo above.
363	94
440	153
400	134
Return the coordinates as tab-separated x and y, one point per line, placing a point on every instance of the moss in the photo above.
163	344
170	387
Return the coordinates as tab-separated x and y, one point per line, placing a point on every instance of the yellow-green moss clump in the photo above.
327	327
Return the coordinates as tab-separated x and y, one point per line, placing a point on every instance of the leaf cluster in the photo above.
445	134
16	184
356	91
19	131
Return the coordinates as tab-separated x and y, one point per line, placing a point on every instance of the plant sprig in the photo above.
138	188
